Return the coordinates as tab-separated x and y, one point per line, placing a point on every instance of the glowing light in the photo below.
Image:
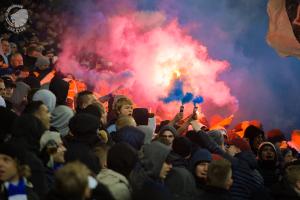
147	54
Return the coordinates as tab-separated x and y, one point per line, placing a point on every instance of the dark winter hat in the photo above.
122	158
60	89
240	143
83	124
275	135
262	145
130	135
141	116
200	155
168	128
182	146
252	131
13	151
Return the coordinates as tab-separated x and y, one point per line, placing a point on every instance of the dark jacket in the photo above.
181	184
27	132
283	190
246	181
82	151
180	181
214	193
145	176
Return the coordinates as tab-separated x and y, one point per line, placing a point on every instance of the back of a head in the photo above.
141	116
217	136
122	158
81	99
125	120
219	172
71	181
182	146
60	89
93	109
29	129
83	125
252	131
130	135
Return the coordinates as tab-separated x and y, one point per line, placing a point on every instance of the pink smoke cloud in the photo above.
142	53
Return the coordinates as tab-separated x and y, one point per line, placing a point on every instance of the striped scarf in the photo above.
16	191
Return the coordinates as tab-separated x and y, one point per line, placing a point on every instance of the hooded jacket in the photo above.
60	89
47	97
60	118
27	131
145	178
180	181
117	184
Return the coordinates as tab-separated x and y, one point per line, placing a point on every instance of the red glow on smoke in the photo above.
141	54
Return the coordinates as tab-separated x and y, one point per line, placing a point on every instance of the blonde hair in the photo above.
125	121
218	173
72	180
121	102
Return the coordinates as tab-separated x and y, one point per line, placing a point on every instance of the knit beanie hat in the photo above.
200	155
168	128
260	148
275	135
122	158
252	131
83	124
182	146
12	151
240	143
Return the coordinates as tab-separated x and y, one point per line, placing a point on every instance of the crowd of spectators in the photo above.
59	144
